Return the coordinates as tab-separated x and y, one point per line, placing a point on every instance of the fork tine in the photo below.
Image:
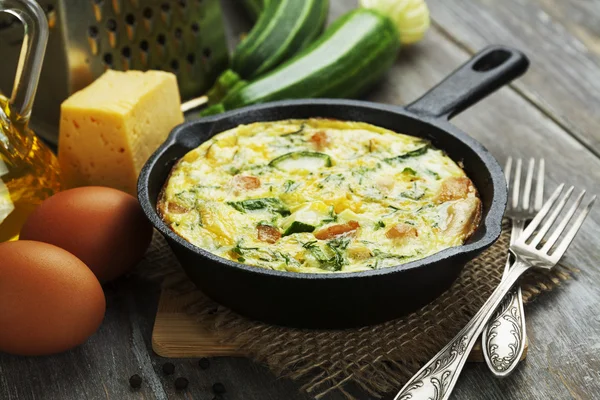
539	188
507	170
555	212
517	184
566	241
528	185
563	224
540	215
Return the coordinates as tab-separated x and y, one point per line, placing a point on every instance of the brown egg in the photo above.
50	301
105	228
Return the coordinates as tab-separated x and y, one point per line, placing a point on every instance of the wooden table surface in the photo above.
551	112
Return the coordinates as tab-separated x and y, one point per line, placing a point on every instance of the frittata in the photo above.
319	196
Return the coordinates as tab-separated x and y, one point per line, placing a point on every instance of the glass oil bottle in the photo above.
29	171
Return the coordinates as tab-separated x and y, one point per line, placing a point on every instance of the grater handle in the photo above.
27	76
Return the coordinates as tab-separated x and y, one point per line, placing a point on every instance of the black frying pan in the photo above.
358	298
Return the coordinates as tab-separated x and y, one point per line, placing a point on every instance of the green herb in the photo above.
288	259
394	211
414	153
185	195
208	187
409	171
379	225
414	193
235	154
334	178
362	172
290	186
315	250
302	127
268	204
265	223
307	245
336	247
367	242
259	167
262	254
332	216
241	259
239	249
380	256
434	174
422	208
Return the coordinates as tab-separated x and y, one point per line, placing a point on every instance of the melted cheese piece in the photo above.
319	196
109	129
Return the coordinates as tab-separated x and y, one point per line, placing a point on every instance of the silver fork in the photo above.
503	339
438	377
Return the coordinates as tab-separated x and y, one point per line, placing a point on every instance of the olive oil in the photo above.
29	172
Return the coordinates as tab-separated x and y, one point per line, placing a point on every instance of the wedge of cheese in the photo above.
109	129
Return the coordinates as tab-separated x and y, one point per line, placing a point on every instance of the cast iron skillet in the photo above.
359	298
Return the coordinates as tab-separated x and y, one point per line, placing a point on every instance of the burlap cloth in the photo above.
377	359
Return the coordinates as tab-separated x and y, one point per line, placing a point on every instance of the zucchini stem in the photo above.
411	17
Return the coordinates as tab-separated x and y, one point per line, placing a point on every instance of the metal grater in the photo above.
186	37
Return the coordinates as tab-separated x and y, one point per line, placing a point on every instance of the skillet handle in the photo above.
483	74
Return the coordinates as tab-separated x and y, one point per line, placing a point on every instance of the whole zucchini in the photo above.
284	27
254	8
352	54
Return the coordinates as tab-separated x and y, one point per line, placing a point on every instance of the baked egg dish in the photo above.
319	196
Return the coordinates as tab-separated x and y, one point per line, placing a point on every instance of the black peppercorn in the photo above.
204	363
219	388
168	368
135	381
181	383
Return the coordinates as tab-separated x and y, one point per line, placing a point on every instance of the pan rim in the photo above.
492	223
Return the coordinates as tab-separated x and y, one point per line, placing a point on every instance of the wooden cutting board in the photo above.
176	334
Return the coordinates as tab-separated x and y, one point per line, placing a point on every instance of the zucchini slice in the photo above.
298	227
306	160
307	218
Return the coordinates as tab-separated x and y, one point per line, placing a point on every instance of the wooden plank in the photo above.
98	369
178	334
562	39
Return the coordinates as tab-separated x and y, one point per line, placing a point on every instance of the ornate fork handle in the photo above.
437	378
503	339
